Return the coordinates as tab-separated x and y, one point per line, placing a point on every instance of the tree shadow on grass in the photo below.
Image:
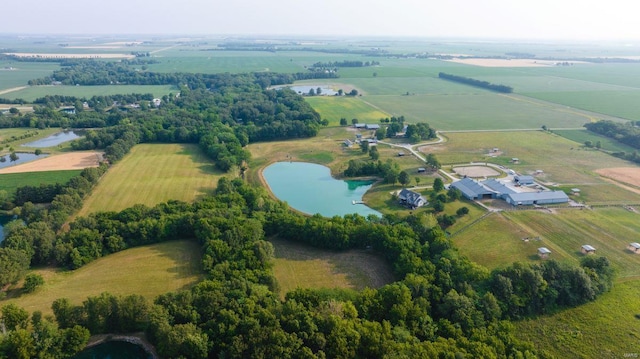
186	259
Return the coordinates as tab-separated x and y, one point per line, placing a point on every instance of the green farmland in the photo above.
334	108
11	181
34	92
151	174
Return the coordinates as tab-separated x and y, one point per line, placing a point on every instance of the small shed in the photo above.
515	160
347	143
400	154
587	249
634	247
544	252
422	170
523	180
575	191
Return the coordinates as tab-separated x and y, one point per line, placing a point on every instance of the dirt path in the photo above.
13	89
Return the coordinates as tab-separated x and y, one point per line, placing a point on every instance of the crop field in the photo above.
15	74
301	266
622	104
605	328
334	108
149	271
32	93
151	174
11	181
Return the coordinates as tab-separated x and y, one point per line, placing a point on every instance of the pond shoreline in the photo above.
134	338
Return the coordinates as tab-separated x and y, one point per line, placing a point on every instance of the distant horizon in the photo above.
543	20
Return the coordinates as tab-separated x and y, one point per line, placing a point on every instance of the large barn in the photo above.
531	198
473	190
492	188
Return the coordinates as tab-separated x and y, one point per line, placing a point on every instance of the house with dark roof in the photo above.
473	190
411	199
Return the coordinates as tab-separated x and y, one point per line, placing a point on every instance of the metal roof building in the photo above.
531	198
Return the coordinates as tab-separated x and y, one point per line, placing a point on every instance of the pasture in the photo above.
151	174
34	92
581	136
605	328
301	266
149	271
11	181
497	240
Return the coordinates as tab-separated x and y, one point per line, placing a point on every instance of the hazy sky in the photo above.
535	19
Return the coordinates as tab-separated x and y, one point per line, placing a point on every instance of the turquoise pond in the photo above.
309	188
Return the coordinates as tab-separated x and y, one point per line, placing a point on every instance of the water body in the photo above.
114	350
309	188
4	220
55	139
305	90
22	158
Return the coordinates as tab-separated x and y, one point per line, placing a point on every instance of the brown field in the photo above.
67	161
475	171
70	56
628	175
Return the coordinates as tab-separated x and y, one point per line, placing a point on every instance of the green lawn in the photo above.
151	174
11	181
149	271
333	108
581	136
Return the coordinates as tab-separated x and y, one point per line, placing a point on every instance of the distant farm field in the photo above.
301	266
606	143
11	181
151	174
15	74
149	271
34	92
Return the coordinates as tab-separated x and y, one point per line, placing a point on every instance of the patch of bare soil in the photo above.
66	161
430	148
475	171
628	175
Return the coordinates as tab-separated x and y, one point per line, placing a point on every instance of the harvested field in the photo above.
629	175
476	171
66	161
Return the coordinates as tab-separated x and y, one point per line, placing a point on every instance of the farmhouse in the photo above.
411	199
544	252
472	190
523	180
536	198
587	249
634	247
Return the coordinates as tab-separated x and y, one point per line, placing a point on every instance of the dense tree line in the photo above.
627	133
442	304
388	170
476	83
345	63
420	132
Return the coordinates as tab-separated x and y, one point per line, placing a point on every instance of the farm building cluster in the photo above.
515	193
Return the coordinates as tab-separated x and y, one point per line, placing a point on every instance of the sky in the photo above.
500	19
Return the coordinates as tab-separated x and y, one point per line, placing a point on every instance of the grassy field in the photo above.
10	181
606	328
301	266
151	174
149	271
15	74
334	108
32	93
498	239
581	136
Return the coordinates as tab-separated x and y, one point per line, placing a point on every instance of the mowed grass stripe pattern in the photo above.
152	174
148	271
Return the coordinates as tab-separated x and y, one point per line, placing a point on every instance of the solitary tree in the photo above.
318	91
417	181
354	121
340	92
353	92
32	281
403	178
438	185
343	121
312	92
13	157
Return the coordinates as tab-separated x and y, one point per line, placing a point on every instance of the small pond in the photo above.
303	90
22	158
114	350
309	188
55	139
